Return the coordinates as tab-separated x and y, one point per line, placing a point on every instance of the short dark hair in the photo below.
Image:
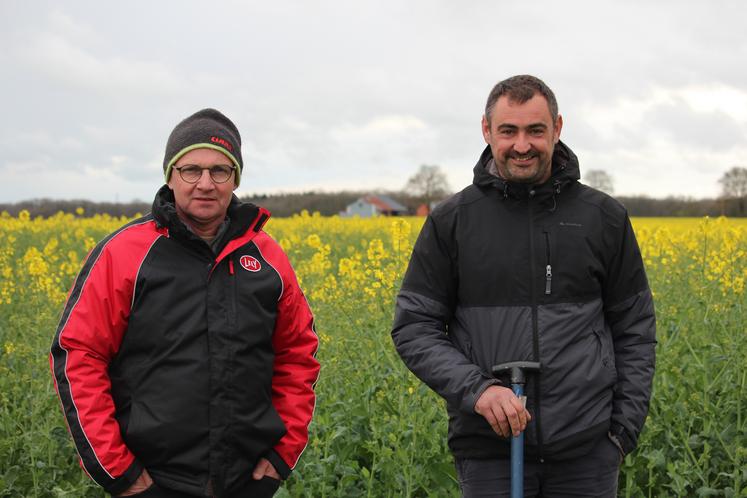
519	89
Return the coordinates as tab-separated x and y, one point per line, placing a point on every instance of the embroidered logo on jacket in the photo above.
250	263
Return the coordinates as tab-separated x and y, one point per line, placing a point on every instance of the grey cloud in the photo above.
687	127
94	81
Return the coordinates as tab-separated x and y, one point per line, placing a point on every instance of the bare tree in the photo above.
734	182
734	186
429	184
600	180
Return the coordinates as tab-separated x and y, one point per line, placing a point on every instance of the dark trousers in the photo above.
591	475
264	488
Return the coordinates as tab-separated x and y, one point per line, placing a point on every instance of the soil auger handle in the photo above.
517	372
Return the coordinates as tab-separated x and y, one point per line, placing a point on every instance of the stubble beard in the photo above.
524	174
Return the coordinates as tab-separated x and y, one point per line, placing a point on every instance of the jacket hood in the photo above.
565	170
241	215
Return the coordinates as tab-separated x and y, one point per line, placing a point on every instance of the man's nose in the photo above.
522	145
205	182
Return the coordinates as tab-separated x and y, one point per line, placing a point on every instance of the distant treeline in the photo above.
330	203
49	207
325	203
681	206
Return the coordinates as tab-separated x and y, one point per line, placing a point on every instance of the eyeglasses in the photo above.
191	173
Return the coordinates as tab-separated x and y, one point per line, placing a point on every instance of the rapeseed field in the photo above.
378	431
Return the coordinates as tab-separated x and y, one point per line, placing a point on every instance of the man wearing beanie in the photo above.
184	358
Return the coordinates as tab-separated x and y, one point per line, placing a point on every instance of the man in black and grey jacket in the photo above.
529	264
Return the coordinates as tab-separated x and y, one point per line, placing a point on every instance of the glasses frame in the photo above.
203	168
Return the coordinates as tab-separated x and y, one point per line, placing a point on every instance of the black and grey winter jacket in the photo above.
550	273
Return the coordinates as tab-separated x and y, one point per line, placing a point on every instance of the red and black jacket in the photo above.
190	365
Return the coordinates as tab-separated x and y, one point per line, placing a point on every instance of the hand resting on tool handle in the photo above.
504	412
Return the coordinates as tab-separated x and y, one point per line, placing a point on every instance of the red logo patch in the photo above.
223	142
250	263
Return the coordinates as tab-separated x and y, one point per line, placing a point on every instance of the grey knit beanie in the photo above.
205	129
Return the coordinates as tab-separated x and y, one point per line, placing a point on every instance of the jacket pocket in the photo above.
145	436
462	342
468	349
132	431
606	351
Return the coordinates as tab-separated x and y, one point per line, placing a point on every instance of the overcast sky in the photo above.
356	95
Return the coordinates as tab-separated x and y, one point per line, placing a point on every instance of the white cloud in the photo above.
118	161
61	60
39	139
668	141
663	168
715	97
630	112
358	95
378	128
66	26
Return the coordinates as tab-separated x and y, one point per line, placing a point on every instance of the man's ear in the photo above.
556	129
485	129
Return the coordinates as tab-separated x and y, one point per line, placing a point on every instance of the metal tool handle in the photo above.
517	371
517	454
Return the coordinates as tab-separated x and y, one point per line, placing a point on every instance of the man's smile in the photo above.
523	159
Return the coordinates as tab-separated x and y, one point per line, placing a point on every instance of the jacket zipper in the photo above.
535	325
235	291
548	267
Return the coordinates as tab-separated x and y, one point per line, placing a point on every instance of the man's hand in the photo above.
264	469
141	484
503	410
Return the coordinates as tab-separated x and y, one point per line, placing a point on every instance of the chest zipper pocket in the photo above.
548	267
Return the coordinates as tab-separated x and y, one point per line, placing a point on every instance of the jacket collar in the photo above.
565	170
242	216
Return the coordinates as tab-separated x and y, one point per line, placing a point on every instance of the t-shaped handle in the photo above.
517	370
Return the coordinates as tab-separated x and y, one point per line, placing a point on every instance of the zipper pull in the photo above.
548	279
230	266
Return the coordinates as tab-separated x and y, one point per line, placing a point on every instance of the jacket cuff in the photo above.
622	438
470	400
280	466
122	483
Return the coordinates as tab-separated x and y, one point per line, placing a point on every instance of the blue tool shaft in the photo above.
517	455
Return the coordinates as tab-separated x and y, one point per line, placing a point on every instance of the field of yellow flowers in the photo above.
378	431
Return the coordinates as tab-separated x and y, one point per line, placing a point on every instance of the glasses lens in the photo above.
220	174
190	173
